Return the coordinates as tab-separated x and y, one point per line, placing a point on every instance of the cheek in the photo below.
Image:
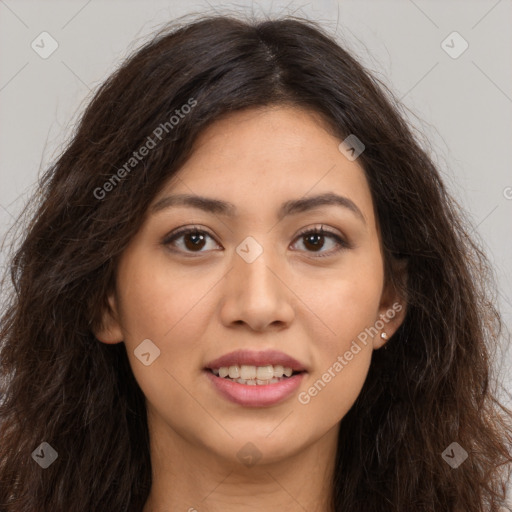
331	392
346	301
173	310
158	301
347	304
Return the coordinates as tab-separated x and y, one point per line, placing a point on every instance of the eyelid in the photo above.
339	238
184	230
322	229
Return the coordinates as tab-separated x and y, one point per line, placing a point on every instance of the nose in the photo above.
256	294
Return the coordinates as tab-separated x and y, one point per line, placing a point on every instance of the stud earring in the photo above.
384	336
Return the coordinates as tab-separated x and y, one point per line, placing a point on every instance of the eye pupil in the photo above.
316	238
196	238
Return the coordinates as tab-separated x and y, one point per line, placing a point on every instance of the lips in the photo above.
256	392
256	358
256	396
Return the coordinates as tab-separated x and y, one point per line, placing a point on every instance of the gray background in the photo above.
464	105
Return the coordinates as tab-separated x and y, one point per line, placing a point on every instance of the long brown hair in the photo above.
431	387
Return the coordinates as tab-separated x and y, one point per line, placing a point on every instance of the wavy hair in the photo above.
432	386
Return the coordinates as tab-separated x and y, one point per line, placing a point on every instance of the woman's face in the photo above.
250	279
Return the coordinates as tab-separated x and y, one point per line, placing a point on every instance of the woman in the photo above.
246	287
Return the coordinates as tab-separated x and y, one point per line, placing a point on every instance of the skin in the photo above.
197	306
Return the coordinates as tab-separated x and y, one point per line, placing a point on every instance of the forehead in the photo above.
259	158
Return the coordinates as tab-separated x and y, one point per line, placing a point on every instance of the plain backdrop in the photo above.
461	103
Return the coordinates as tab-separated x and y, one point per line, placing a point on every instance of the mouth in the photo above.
255	392
253	378
255	367
254	375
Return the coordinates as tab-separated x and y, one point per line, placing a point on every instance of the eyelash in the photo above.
342	244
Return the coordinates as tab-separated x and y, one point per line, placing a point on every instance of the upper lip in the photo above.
256	358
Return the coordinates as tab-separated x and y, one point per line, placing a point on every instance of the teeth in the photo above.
258	382
254	375
247	372
265	372
234	372
278	371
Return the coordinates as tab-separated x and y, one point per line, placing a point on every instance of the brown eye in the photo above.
194	240
188	240
314	240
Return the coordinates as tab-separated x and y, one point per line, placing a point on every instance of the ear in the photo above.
110	329
393	305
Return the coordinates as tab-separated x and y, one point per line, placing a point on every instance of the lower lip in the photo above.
256	395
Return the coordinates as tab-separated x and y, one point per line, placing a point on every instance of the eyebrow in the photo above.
228	209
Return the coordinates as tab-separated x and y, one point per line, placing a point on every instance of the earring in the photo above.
384	336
